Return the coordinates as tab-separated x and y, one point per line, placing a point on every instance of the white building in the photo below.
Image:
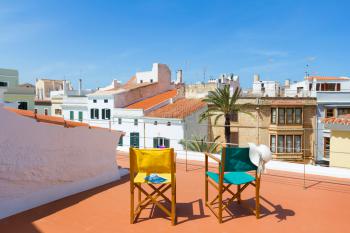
265	88
8	79
311	85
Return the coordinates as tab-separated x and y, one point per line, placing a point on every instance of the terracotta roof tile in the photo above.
153	101
179	109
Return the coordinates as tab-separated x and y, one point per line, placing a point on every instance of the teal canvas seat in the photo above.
233	169
232	177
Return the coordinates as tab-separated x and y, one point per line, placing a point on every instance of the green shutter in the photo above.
103	113
108	114
166	142
155	142
92	113
71	115
134	140
80	116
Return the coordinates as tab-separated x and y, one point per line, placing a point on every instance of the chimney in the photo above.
64	87
80	86
287	83
256	78
179	76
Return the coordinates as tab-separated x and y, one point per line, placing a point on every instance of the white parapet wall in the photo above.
40	162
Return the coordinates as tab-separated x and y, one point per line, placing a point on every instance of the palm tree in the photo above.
222	104
201	144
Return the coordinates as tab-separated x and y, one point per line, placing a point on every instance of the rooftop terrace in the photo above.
324	206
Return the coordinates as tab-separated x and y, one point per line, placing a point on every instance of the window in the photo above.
289	143
317	86
155	123
135	139
119	121
3	84
280	144
289	113
297	143
120	143
141	81
273	115
329	112
23	105
80	116
310	86
273	143
106	114
338	87
326	147
46	111
343	111
71	115
281	116
168	123
35	111
94	113
151	80
160	142
234	117
298	116
58	111
105	100
300	90
136	122
94	101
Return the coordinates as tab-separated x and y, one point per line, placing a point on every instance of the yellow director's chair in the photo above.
152	163
233	168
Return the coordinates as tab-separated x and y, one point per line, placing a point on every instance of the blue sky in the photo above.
105	40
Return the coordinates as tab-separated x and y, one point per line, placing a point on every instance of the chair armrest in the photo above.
212	157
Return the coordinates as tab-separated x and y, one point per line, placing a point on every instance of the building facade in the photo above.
338	150
285	124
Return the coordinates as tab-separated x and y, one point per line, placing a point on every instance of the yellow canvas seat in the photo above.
145	163
140	177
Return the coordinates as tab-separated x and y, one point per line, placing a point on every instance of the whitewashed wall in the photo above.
41	162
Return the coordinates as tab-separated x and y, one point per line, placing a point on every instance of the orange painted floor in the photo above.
324	206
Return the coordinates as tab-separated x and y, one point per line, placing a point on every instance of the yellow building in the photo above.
339	150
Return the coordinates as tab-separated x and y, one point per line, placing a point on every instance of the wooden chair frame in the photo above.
221	188
158	190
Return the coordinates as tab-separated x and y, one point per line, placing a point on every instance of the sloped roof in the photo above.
153	101
179	109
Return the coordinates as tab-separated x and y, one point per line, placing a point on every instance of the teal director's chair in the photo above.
233	168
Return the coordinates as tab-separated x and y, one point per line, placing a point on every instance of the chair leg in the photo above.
239	195
257	199
206	190
220	206
139	195
132	212
173	204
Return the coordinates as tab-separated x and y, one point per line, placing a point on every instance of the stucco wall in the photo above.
339	149
41	162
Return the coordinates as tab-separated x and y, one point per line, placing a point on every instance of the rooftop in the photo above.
179	109
324	206
153	101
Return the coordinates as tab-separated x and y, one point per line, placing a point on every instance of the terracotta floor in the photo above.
324	206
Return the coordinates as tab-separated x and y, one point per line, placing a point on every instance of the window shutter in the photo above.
103	113
155	142
96	113
108	114
92	113
166	142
